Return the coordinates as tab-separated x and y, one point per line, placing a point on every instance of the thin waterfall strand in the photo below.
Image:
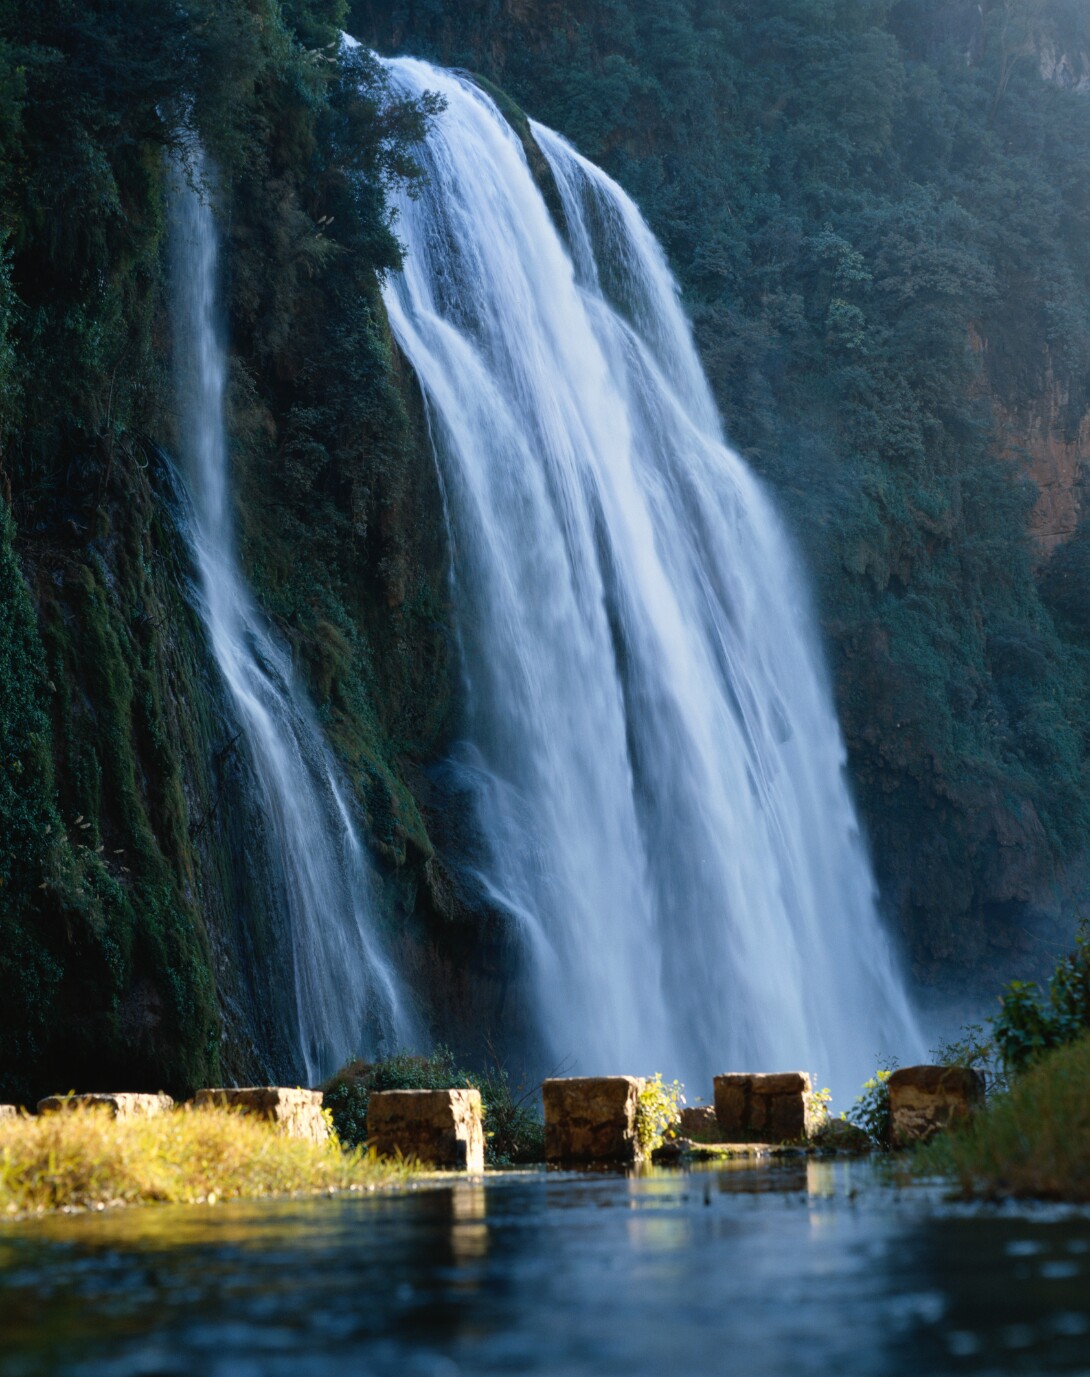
660	773
347	997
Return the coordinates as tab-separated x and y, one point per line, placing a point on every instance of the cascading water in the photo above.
659	771
347	998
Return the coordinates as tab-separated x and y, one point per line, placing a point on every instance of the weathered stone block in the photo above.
298	1113
698	1122
591	1118
765	1109
122	1105
443	1128
923	1100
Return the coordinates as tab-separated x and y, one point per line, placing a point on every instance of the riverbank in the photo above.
87	1159
1033	1142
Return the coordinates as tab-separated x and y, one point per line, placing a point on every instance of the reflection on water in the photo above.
807	1267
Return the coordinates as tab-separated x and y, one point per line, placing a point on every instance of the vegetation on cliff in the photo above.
877	210
135	950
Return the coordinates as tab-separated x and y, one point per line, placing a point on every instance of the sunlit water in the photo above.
810	1268
347	997
649	736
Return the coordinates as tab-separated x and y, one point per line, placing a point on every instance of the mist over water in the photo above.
659	773
348	1000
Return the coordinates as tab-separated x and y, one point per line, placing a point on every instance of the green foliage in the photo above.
658	1112
976	1049
871	1109
1031	1142
113	743
1031	1022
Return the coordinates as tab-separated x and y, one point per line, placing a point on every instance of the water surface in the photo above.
811	1268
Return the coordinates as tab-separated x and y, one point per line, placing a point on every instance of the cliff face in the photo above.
1041	440
845	198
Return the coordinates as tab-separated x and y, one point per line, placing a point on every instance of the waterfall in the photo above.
658	770
347	998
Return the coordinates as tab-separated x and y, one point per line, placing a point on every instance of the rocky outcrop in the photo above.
443	1128
592	1119
297	1113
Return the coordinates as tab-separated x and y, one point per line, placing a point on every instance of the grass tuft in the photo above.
86	1159
1032	1142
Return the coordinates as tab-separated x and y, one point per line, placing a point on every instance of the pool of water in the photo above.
806	1267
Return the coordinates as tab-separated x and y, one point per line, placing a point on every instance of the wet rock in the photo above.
298	1113
837	1135
765	1109
442	1128
591	1118
924	1100
672	1151
699	1123
122	1105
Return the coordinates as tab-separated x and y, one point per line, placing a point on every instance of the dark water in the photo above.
807	1268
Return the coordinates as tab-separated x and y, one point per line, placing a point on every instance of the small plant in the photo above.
871	1109
658	1112
514	1134
978	1051
817	1107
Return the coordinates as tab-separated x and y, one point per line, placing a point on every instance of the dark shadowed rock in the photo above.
591	1119
765	1108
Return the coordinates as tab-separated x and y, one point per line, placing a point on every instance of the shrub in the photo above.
871	1109
1033	1141
1031	1022
513	1132
658	1111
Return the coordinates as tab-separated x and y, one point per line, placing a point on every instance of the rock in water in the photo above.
298	1113
443	1128
592	1118
765	1109
924	1100
698	1122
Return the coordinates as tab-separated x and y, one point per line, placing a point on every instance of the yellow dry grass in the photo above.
85	1158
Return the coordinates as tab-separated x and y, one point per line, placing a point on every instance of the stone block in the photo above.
591	1118
122	1105
698	1122
924	1100
443	1128
297	1113
765	1109
9	1111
